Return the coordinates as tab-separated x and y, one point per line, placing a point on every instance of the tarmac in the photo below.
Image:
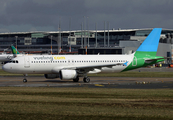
95	82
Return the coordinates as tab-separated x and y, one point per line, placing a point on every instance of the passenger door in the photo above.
26	62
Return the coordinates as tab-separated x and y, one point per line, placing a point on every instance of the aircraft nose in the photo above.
6	67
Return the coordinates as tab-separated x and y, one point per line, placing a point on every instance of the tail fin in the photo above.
146	53
14	51
150	45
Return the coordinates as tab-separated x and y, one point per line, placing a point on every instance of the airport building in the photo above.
121	41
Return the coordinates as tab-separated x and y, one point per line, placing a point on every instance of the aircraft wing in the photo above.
85	69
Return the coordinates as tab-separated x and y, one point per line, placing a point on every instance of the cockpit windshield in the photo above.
14	61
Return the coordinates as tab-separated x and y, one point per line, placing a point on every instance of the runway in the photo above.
96	82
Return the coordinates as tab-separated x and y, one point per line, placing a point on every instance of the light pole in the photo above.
70	35
51	44
88	33
16	44
96	35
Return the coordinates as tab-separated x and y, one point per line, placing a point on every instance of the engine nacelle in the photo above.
51	76
67	74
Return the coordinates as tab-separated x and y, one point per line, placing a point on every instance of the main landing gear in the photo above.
85	79
25	80
76	79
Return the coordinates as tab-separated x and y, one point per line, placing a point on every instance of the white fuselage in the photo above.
52	64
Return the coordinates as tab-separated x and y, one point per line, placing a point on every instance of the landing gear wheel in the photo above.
86	79
76	79
24	80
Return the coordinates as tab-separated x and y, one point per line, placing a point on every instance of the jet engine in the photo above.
51	76
67	74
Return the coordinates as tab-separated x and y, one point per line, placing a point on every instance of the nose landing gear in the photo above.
25	80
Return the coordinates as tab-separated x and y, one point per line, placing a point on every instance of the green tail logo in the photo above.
14	51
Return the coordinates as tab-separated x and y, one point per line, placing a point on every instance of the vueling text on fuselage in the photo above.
49	58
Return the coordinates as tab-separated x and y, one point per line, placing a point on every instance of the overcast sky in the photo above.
45	15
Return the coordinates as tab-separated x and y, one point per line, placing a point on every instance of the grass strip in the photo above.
85	103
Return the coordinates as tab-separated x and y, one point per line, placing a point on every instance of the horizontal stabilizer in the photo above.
151	60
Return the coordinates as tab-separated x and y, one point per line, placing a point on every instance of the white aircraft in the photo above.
7	57
75	66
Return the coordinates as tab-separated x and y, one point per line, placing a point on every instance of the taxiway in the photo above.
97	82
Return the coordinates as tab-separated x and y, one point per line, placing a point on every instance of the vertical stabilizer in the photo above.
150	45
146	53
13	49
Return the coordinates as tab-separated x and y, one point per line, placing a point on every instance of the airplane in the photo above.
68	67
7	57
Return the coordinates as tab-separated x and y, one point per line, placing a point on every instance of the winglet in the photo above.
151	43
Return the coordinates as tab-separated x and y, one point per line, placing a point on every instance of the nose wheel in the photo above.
24	80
